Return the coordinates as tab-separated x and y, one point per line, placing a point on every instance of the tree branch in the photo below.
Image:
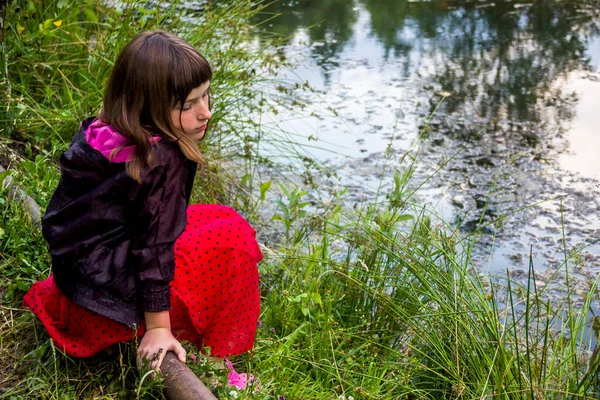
180	382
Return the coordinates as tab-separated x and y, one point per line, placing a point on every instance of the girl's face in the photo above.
191	117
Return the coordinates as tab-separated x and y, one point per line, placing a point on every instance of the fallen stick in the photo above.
180	382
15	192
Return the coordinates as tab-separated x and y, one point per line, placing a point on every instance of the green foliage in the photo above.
292	211
405	303
374	302
57	60
24	257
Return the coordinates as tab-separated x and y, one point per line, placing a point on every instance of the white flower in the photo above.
233	394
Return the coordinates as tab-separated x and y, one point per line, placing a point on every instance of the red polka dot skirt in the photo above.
214	296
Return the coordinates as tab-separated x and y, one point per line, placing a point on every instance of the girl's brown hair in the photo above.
153	73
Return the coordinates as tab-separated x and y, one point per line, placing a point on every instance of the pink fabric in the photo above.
106	139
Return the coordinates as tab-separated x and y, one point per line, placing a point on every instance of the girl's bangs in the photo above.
190	71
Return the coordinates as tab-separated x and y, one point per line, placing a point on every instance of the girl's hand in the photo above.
154	346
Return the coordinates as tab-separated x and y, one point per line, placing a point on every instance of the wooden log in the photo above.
15	192
180	382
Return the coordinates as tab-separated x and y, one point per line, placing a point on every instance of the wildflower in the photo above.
233	394
259	324
238	380
280	397
193	357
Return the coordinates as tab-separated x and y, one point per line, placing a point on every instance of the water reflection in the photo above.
329	24
499	58
502	64
510	68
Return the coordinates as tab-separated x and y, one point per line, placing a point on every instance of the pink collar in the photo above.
106	139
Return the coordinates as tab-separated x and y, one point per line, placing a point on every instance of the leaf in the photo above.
293	197
90	14
397	178
305	311
289	340
245	179
20	29
405	217
57	23
47	23
302	205
316	297
29	166
3	176
264	188
299	298
283	208
62	3
22	286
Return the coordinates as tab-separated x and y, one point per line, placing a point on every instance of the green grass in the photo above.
375	302
399	312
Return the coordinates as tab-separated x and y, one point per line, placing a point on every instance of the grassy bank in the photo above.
374	302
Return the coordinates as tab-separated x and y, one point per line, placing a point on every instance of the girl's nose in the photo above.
205	112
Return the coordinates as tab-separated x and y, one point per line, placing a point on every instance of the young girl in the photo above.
129	257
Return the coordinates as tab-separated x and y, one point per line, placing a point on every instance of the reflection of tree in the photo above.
498	60
389	18
504	66
500	64
328	22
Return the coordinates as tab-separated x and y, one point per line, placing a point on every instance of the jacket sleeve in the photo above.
163	204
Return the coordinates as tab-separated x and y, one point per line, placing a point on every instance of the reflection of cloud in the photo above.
584	140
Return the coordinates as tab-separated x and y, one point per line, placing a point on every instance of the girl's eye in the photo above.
186	107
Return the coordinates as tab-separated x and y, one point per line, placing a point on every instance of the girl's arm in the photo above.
162	201
157	340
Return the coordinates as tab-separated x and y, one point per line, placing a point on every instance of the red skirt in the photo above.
215	298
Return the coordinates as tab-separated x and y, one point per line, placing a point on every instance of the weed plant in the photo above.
398	312
374	302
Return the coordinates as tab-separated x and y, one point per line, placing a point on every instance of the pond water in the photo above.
518	134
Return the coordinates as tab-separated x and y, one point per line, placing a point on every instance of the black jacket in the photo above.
110	237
